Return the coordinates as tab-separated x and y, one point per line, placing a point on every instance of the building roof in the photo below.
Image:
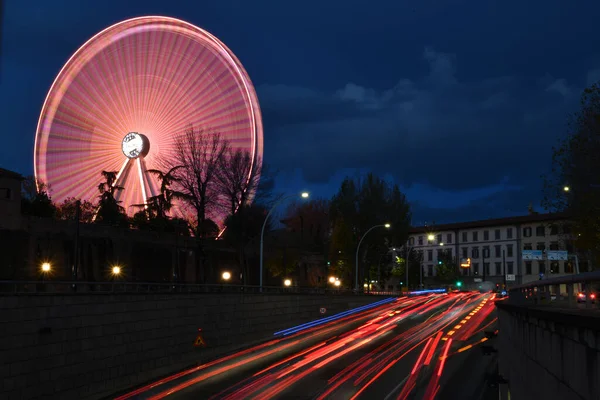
4	173
524	219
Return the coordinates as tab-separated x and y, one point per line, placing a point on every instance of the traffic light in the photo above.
440	262
458	284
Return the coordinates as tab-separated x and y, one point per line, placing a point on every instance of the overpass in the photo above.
549	339
80	340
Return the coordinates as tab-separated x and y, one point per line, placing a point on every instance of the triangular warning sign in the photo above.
199	342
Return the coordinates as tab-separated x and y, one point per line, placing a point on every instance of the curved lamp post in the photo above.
304	195
387	226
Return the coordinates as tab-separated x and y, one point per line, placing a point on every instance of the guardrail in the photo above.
79	287
572	291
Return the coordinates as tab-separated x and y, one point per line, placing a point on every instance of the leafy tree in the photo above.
359	205
244	228
575	163
415	260
446	270
35	199
109	209
311	220
67	210
161	204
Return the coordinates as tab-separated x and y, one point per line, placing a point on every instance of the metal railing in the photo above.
572	291
47	287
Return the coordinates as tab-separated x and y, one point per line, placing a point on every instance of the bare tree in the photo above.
238	177
199	151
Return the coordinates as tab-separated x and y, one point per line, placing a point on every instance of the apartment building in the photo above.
524	248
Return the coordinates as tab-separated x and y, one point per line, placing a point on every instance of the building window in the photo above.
8	193
498	268
497	234
553	229
509	233
566	228
540	231
475	252
509	268
475	268
465	252
429	255
527	231
449	238
430	270
439	239
464	236
541	246
554	267
568	267
542	267
475	236
411	241
553	245
420	255
497	250
486	252
527	246
486	268
509	250
527	267
486	235
440	254
420	240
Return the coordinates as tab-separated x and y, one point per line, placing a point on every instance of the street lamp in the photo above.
337	283
430	237
287	282
566	188
304	195
116	270
226	276
331	279
387	226
46	267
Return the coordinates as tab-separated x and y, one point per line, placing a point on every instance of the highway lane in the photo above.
399	350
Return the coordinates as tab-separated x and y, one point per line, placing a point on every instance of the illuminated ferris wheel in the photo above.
124	98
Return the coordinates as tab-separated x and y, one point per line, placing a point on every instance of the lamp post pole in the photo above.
358	248
304	195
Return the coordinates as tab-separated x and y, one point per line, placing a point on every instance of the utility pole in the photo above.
504	266
483	263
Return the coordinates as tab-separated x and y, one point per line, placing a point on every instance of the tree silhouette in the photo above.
109	209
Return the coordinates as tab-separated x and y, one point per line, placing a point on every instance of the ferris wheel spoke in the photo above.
142	184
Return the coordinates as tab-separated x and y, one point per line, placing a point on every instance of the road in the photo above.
421	347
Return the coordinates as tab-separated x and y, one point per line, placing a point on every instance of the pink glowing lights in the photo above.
153	76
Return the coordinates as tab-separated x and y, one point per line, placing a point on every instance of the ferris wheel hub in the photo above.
135	145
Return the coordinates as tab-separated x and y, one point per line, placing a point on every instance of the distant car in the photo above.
581	297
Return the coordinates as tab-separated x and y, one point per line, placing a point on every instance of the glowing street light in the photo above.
46	267
441	244
304	195
387	226
430	237
337	283
287	282
226	275
332	279
566	188
116	270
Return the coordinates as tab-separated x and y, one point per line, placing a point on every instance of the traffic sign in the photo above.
322	310
199	342
510	277
558	255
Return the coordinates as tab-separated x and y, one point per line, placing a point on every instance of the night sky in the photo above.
457	101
